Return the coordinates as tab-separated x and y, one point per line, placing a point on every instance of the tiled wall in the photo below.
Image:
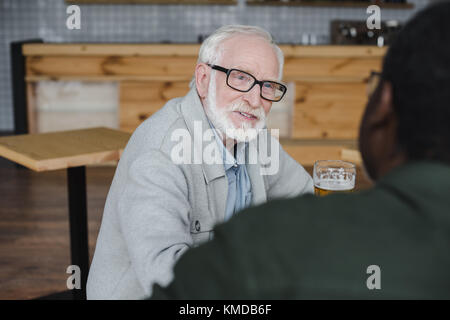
46	19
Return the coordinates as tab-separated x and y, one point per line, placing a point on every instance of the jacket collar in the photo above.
195	118
193	113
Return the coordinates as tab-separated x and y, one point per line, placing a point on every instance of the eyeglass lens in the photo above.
243	81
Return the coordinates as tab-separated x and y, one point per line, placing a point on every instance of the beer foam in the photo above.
336	185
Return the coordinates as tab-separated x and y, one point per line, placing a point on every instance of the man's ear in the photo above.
378	132
384	111
202	75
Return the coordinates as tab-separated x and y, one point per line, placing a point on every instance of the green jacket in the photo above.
321	248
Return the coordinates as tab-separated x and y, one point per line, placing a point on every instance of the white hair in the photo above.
211	51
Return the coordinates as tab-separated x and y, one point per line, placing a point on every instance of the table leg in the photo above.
76	182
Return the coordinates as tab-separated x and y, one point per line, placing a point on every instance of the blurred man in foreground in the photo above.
389	242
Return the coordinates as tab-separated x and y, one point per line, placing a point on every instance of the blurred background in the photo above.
181	23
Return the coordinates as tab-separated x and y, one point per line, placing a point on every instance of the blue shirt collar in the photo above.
228	160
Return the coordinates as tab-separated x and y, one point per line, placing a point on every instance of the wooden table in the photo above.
71	150
352	155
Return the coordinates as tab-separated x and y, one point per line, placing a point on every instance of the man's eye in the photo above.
268	85
240	76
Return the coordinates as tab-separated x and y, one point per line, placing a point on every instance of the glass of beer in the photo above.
333	176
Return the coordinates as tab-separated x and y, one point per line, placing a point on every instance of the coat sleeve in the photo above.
211	271
154	217
290	180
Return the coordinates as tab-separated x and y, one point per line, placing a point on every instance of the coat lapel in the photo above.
257	181
214	173
196	121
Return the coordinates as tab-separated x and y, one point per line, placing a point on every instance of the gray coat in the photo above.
156	208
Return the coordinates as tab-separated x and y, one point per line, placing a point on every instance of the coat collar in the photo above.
194	114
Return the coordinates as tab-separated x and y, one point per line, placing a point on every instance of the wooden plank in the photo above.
332	51
115	68
186	77
88	78
334	68
329	79
306	155
106	49
351	155
64	149
328	111
57	66
191	50
31	107
349	143
139	100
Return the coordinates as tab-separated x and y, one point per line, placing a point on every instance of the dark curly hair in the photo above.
418	67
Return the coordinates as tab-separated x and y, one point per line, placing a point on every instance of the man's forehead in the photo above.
250	54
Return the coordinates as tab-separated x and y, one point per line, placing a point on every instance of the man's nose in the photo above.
253	97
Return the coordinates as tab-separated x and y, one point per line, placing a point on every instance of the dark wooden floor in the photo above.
34	228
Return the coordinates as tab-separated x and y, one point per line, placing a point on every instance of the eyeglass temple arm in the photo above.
213	66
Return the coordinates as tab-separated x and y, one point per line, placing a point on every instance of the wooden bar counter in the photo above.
329	83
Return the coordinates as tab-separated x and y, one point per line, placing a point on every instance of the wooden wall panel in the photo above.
324	69
140	99
328	110
306	155
111	66
352	155
330	83
315	69
178	49
31	107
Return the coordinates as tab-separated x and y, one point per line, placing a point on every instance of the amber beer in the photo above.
333	176
328	188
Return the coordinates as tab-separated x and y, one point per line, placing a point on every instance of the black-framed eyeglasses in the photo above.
372	82
244	82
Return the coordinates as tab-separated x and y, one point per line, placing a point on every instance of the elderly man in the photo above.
390	242
170	190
